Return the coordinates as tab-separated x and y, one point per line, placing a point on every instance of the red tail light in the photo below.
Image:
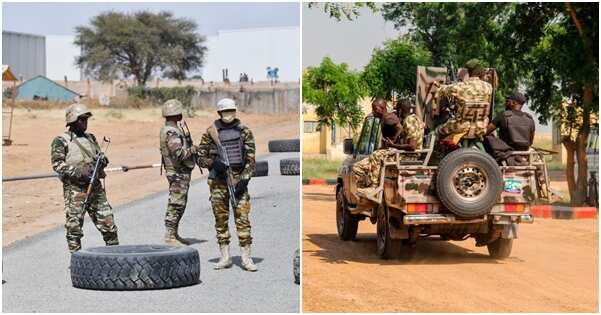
417	207
514	207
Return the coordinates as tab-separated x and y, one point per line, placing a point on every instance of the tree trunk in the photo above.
569	145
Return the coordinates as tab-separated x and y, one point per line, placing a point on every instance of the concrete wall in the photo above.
25	54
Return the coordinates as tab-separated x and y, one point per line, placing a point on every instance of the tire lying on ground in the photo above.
289	145
261	169
135	267
296	267
290	166
468	182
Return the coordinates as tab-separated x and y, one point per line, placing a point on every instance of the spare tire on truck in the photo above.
135	267
468	182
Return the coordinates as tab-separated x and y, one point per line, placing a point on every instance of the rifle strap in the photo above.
214	134
83	149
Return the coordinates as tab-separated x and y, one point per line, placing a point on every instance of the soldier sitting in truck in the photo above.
406	135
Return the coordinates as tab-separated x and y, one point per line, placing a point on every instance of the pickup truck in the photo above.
465	195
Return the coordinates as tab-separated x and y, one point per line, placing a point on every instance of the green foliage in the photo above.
320	168
348	10
161	94
393	68
140	44
335	91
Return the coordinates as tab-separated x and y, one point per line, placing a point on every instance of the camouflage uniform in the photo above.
369	168
178	160
472	90
207	150
70	154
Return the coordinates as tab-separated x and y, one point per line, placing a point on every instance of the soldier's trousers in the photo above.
452	126
179	184
367	171
221	209
99	210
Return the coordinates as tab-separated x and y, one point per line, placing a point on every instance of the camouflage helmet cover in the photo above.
172	107
226	104
74	111
474	66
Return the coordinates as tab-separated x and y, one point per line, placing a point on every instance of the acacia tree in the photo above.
140	45
348	10
392	68
335	91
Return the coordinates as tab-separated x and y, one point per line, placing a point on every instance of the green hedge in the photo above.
160	95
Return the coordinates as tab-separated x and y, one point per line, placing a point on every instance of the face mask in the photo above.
228	117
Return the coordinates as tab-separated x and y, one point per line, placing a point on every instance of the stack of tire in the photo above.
289	166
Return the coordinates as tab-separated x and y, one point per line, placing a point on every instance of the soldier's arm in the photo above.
176	147
58	158
249	149
205	158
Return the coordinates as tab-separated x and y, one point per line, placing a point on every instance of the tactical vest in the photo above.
517	133
169	162
80	150
232	141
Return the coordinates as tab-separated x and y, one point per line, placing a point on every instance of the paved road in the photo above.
38	280
553	267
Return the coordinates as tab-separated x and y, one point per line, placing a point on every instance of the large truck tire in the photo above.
296	266
261	169
135	267
346	223
288	145
500	248
290	166
468	182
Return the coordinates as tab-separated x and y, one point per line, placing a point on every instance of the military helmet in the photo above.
518	97
474	66
172	107
74	111
226	104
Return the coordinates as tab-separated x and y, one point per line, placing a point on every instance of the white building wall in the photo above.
252	51
25	54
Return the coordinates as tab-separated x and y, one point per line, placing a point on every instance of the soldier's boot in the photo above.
171	237
247	261
226	260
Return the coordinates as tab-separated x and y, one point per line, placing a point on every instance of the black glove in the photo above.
219	167
241	188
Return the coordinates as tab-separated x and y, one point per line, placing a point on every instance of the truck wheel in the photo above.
468	182
296	266
501	248
288	145
135	267
386	246
346	223
290	166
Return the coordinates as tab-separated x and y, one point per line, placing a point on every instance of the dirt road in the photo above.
30	207
553	268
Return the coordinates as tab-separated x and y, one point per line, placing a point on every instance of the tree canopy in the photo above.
335	91
141	45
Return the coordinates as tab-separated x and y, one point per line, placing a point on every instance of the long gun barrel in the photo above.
229	178
93	178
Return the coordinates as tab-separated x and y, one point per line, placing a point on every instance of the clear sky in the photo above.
351	42
61	18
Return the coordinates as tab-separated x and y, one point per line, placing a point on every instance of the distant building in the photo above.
25	54
42	88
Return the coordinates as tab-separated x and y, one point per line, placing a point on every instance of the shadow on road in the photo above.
193	240
429	252
320	196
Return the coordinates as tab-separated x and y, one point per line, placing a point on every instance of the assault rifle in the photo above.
99	158
229	176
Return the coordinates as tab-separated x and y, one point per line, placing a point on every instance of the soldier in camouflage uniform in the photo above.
410	138
471	90
239	144
178	159
73	156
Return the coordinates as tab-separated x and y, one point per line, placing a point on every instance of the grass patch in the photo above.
320	168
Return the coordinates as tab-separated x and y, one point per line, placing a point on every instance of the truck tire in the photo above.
135	267
261	169
296	266
290	166
500	248
288	145
468	182
386	246
346	223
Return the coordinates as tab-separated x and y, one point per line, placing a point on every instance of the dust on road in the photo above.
553	267
30	207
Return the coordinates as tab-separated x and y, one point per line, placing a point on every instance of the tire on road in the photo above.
290	166
261	169
387	247
288	145
468	182
296	266
135	267
500	248
346	223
